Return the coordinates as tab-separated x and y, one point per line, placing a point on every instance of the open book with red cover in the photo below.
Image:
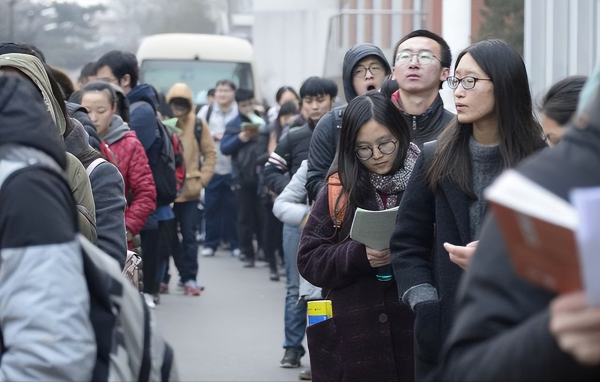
539	229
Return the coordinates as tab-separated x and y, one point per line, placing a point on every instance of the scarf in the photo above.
33	68
392	185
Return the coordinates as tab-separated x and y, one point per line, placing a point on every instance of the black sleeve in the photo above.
36	208
320	154
501	325
278	167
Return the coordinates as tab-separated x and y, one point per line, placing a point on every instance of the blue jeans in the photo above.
295	310
186	214
220	213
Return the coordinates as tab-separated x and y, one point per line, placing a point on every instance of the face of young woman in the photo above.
376	139
99	109
475	105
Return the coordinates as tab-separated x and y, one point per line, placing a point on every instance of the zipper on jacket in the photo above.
414	122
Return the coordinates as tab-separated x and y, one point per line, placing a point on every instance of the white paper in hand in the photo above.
374	228
587	203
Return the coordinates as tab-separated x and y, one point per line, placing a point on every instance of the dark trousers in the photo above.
248	213
150	260
220	212
186	252
271	233
167	241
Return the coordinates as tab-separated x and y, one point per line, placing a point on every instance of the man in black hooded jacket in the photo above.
364	69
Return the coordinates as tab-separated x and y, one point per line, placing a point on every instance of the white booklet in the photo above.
374	228
587	203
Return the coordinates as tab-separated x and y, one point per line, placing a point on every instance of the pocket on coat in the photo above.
323	343
427	331
191	188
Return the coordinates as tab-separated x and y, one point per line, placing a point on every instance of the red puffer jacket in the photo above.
139	183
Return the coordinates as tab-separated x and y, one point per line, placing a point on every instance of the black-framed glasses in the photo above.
425	57
467	83
361	70
365	153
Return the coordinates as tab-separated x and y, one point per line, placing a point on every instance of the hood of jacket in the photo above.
77	142
24	119
355	54
116	131
145	93
181	90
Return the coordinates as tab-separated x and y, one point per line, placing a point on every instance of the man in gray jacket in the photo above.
46	331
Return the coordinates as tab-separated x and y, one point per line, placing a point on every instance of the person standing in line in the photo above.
246	148
196	150
507	328
364	69
46	331
121	68
494	129
318	95
559	105
219	201
369	336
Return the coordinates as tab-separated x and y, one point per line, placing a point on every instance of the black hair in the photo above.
354	176
446	58
560	102
242	95
120	63
317	86
36	52
104	87
122	102
284	89
227	83
88	70
519	132
11	47
211	92
288	108
389	87
66	85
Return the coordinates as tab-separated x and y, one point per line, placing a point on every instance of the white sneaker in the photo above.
236	252
207	251
149	300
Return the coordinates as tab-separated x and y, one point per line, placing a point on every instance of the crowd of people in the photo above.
282	185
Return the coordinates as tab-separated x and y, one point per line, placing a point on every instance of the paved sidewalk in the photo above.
234	330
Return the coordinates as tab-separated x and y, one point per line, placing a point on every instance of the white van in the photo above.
199	60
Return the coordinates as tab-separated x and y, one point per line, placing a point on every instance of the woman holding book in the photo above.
370	334
494	129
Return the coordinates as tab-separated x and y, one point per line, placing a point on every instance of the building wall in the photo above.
562	38
290	39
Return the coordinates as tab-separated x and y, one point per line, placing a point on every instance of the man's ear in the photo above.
125	81
445	73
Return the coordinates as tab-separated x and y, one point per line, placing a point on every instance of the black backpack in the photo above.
165	170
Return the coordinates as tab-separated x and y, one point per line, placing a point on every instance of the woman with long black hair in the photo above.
443	207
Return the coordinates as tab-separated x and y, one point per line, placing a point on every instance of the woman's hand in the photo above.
378	258
244	136
460	255
576	327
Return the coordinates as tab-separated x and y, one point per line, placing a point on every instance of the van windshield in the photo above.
200	76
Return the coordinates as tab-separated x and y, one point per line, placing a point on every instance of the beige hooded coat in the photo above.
197	175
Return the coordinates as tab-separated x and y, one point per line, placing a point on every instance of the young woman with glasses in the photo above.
443	208
370	334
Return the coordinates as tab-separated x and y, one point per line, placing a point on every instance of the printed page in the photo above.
587	203
374	228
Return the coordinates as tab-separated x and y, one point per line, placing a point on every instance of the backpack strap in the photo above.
93	165
198	131
338	200
208	113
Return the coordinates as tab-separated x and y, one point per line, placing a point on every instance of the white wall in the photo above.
562	38
456	30
290	39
